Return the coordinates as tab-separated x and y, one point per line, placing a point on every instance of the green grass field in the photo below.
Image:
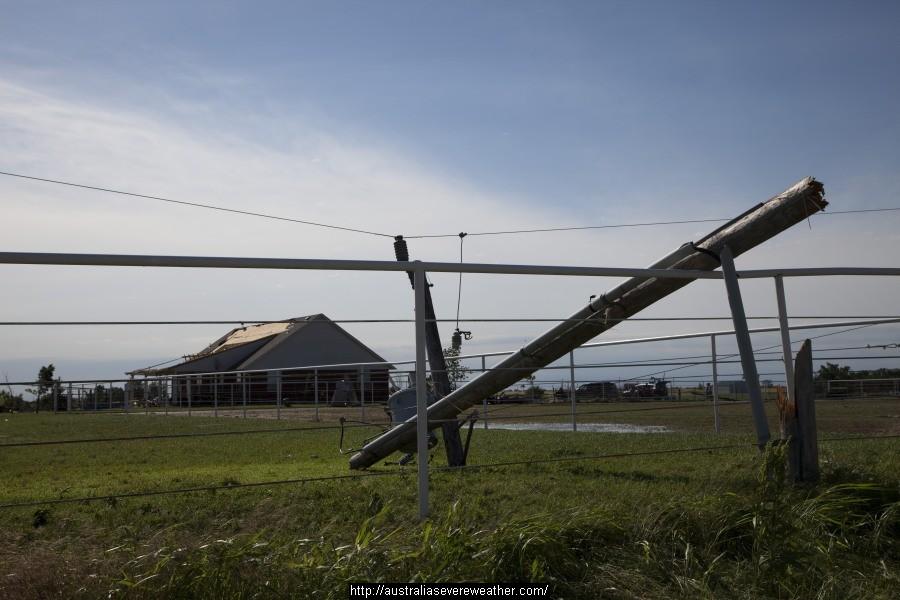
697	524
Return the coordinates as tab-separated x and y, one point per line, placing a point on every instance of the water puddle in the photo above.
589	427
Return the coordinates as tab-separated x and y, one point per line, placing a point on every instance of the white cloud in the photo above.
328	176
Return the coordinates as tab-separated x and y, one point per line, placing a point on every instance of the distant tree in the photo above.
831	371
10	402
456	372
43	393
534	391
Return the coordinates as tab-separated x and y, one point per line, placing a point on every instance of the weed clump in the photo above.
40	517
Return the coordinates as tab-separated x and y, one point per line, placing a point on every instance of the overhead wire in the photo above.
624	225
421	236
195	204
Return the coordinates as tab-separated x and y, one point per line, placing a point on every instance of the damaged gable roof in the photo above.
243	348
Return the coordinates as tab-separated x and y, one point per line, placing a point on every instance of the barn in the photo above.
257	360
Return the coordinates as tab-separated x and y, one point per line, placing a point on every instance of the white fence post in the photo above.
785	339
421	392
745	346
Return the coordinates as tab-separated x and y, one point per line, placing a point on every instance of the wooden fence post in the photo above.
804	392
798	420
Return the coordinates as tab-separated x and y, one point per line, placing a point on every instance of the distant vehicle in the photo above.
655	389
508	397
601	391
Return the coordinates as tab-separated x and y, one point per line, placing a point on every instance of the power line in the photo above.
861	210
575	228
423	236
194	204
623	225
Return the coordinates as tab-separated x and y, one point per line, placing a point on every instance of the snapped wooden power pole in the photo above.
440	377
747	231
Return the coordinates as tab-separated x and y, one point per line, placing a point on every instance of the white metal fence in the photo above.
180	392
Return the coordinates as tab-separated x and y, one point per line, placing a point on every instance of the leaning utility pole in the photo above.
440	377
747	231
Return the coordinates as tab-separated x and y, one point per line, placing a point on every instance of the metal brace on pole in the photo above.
278	395
785	339
572	389
745	347
421	392
715	385
484	399
316	391
361	375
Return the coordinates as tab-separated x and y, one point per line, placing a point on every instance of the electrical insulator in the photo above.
400	249
402	254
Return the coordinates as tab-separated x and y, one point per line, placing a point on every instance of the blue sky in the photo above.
418	117
548	100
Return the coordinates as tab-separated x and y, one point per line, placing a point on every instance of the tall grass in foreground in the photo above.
834	541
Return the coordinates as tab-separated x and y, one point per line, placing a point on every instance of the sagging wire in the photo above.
343	421
457	338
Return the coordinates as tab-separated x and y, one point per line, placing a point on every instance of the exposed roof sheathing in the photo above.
244	335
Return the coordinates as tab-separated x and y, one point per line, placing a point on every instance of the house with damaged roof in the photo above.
253	362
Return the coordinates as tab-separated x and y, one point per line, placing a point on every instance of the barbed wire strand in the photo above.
256	484
492	415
